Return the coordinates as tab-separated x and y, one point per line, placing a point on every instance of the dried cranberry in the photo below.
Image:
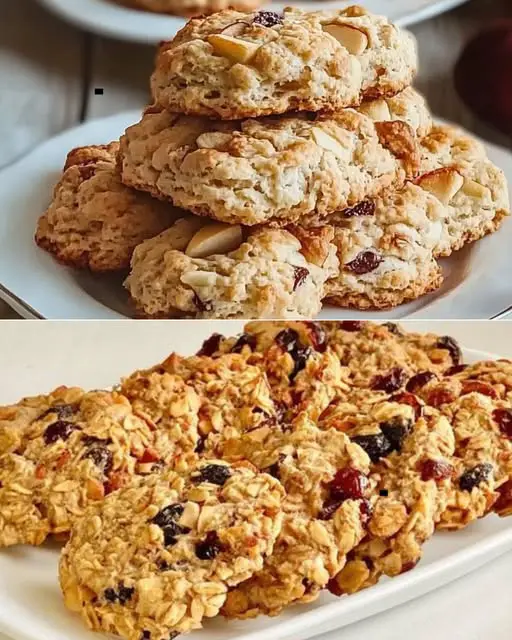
410	399
419	380
452	346
435	470
393	328
458	368
268	19
409	566
301	357
329	509
351	325
300	275
60	430
334	588
504	501
168	515
348	484
475	476
217	474
503	418
201	445
475	386
439	396
61	411
391	381
288	340
377	446
245	340
364	208
209	548
396	430
102	457
364	262
317	336
210	345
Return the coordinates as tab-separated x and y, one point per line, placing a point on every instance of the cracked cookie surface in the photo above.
157	558
95	222
234	65
274	170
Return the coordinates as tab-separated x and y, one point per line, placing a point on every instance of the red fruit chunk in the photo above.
364	208
455	369
419	380
364	262
435	470
504	502
503	418
439	396
348	484
334	588
475	386
409	398
351	325
391	381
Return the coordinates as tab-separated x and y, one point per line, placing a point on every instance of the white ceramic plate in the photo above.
31	607
108	19
477	283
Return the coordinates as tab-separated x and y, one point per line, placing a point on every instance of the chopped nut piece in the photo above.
443	183
214	239
229	47
355	40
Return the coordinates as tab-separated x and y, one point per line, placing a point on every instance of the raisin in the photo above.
329	509
409	398
475	476
348	484
168	515
209	548
435	470
351	325
317	336
419	381
288	340
393	328
146	635
245	340
458	368
61	411
364	208
391	381
300	275
300	357
171	533
503	418
201	445
122	595
452	346
377	446
101	456
504	502
334	588
475	386
60	430
396	430
110	595
210	345
364	262
268	19
215	474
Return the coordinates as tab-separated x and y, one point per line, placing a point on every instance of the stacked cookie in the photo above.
190	7
293	458
305	166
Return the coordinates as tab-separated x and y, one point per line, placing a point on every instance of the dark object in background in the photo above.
483	75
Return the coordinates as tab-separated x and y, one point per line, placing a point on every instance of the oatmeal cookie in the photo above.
325	513
274	170
78	448
95	222
455	168
201	270
477	400
157	558
235	65
190	8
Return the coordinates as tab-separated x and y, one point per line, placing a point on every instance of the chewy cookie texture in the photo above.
294	458
306	169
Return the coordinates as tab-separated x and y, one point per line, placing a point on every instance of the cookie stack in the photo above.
306	169
190	7
257	473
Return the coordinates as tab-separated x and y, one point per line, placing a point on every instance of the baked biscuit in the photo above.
95	222
274	170
234	65
190	8
157	558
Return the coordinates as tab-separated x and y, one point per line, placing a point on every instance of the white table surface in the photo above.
476	607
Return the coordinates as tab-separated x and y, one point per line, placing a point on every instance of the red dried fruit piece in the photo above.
317	336
348	484
364	262
364	208
409	398
351	325
334	588
40	472
117	480
436	470
210	345
329	509
300	275
391	381
409	566
149	455
419	380
475	386
503	418
504	502
458	368
439	395
60	430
